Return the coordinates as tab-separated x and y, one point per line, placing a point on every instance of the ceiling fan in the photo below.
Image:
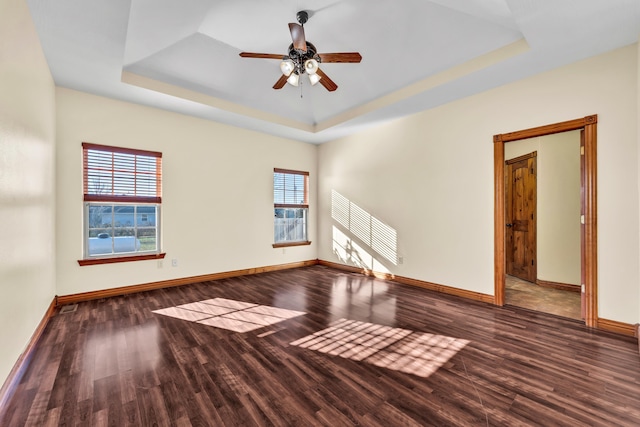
303	58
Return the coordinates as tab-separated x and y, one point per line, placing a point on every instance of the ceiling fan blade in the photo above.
281	82
261	55
340	57
297	35
326	81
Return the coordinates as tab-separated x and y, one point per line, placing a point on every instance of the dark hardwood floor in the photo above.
439	361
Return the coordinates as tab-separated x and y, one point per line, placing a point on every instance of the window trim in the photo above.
294	206
114	259
286	244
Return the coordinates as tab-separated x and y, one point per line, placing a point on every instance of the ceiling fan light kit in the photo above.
311	66
314	79
287	66
302	58
294	79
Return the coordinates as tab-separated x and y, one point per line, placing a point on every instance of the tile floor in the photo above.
547	300
237	316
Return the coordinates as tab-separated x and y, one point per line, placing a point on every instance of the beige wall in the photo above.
429	177
558	203
217	210
27	131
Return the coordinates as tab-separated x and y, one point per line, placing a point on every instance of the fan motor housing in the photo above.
299	57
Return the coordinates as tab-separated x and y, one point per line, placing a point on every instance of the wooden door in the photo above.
521	217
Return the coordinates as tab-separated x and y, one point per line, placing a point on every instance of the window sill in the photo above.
112	260
287	244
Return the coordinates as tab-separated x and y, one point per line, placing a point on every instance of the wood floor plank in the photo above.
84	412
116	362
131	414
38	412
52	418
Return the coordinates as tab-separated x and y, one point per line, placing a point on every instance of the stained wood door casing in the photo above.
590	202
583	294
521	217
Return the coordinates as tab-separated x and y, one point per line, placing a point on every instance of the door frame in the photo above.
588	244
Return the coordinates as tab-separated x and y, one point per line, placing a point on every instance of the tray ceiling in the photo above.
417	54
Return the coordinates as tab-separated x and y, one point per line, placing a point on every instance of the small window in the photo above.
122	195
291	207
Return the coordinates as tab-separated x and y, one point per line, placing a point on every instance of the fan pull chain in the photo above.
300	88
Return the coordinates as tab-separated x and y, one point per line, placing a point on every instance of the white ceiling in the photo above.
182	55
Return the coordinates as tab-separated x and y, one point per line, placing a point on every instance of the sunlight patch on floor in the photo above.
237	316
398	349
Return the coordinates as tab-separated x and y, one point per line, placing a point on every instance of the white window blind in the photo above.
121	174
290	188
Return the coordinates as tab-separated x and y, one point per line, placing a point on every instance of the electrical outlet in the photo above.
160	263
400	260
174	262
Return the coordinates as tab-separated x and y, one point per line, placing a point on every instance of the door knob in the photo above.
509	225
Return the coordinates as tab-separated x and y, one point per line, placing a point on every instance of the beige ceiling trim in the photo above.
449	75
212	101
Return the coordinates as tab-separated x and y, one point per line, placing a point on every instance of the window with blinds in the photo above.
122	195
291	207
121	174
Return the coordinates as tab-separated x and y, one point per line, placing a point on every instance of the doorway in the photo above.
588	256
